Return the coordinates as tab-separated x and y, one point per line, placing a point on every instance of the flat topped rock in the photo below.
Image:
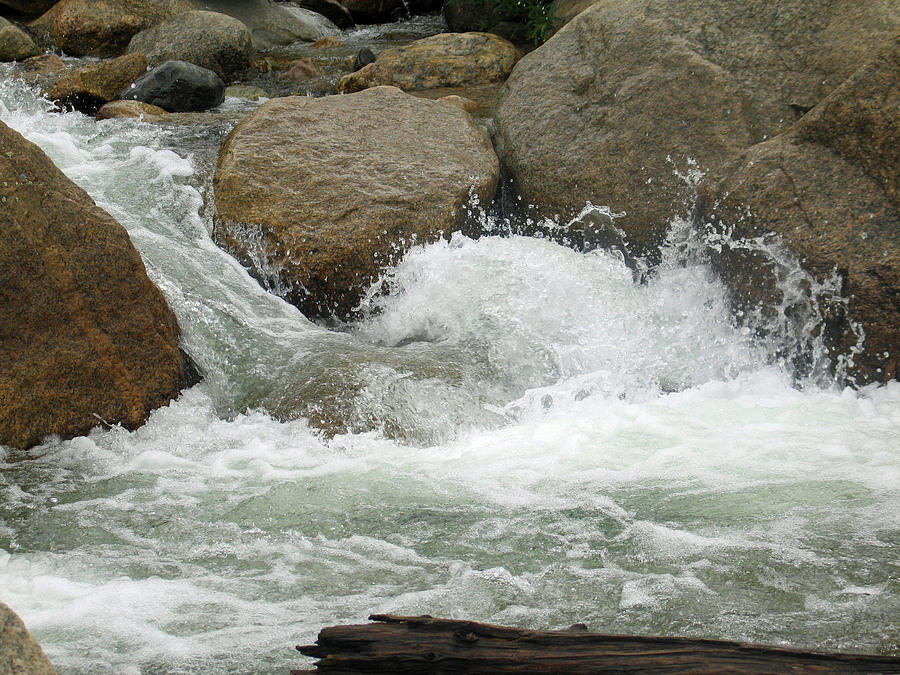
317	195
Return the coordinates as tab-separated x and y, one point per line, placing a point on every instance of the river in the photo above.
529	438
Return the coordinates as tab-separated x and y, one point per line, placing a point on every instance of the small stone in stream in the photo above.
132	109
302	70
327	42
246	91
363	58
461	102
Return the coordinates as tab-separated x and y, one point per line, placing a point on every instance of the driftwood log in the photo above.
422	644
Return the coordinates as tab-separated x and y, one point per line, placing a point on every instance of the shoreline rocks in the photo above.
85	336
317	195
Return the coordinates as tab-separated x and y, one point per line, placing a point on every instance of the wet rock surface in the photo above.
134	109
177	86
317	195
630	99
828	189
86	88
85	337
19	651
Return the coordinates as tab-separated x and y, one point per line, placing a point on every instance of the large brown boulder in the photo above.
20	654
317	195
15	44
829	188
101	27
85	337
443	60
87	87
631	97
214	41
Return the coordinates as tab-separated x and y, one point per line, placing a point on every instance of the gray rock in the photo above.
364	57
332	10
178	86
829	188
273	23
632	96
214	41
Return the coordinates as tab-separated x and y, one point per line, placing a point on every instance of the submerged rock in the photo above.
628	102
88	87
131	109
246	91
302	70
274	23
101	27
214	41
39	69
460	102
317	195
19	651
830	189
85	337
443	60
15	44
178	86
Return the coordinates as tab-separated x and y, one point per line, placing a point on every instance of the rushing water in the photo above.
525	437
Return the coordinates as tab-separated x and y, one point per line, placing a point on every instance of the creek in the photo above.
529	438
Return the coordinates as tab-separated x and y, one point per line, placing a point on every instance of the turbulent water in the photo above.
525	436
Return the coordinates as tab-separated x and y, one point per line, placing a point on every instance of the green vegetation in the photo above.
535	15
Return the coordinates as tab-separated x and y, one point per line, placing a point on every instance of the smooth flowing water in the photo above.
524	436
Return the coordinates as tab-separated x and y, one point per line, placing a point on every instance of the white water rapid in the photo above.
525	437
